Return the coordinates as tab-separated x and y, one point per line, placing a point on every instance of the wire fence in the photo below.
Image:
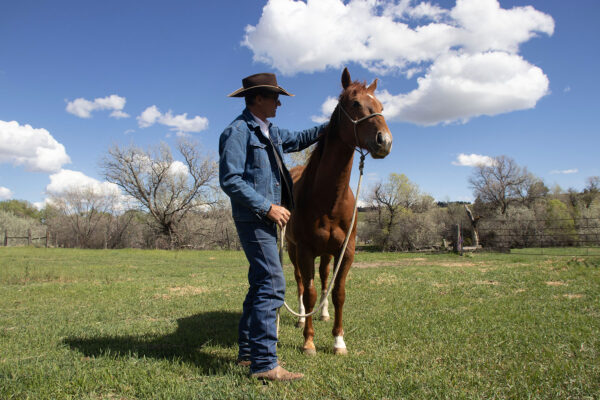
562	237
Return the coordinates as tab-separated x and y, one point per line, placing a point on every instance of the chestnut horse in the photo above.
325	203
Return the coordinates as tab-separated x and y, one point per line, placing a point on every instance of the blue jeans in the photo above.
257	330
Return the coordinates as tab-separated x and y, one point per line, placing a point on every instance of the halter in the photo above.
355	122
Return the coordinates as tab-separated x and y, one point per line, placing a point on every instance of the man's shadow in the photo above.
186	343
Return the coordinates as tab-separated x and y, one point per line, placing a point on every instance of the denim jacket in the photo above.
248	171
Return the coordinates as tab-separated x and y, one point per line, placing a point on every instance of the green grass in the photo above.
131	324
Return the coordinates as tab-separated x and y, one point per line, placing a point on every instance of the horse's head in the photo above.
360	115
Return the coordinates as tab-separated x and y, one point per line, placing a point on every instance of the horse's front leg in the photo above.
324	275
338	296
306	263
301	310
292	252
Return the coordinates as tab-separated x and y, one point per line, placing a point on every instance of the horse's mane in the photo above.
332	128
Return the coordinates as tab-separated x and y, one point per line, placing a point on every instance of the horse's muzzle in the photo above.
381	146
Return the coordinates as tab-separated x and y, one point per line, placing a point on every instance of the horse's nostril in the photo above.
379	138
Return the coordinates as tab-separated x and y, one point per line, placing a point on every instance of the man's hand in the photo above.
279	215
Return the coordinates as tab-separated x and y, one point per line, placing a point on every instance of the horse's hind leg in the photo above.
292	251
338	296
324	274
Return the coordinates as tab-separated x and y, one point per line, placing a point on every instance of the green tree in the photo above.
560	226
20	208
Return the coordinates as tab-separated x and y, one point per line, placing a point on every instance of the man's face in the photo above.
269	103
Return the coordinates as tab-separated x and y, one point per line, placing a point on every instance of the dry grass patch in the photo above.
491	283
181	291
187	290
573	296
385	279
556	283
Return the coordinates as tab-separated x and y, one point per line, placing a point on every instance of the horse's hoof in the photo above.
299	324
310	352
340	351
324	317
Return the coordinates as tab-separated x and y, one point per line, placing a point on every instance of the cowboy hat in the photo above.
262	81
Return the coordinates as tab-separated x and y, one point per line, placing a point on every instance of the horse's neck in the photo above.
332	177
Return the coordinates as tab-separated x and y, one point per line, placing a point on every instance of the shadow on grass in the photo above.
187	343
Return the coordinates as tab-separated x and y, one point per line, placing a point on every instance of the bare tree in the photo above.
500	183
531	189
591	191
391	198
166	188
84	209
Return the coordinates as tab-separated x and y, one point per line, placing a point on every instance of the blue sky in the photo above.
460	81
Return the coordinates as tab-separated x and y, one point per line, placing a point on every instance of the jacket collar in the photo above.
249	118
253	125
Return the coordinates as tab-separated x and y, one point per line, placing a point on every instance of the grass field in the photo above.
130	324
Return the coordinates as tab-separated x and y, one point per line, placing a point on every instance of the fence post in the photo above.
458	240
47	233
29	237
6	238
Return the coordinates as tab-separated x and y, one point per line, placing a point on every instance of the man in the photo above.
252	174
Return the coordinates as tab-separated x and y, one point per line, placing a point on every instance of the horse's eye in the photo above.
356	104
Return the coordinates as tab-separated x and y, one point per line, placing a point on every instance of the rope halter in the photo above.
355	123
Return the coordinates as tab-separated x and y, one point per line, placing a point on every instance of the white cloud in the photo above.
466	58
565	171
35	149
118	114
326	110
148	117
178	123
66	179
458	87
179	168
473	160
83	108
40	204
5	193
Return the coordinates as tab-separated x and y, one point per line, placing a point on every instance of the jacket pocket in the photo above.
257	163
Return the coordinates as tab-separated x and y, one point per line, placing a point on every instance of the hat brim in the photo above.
243	92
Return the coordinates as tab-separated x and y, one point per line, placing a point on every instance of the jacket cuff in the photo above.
263	210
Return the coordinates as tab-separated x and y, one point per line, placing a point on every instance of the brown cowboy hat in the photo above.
262	81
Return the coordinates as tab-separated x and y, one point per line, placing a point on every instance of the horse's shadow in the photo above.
187	343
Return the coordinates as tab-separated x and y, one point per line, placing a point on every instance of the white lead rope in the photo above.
339	263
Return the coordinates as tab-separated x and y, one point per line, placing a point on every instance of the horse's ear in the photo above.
372	86
346	78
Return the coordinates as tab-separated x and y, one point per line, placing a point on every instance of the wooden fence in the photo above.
29	238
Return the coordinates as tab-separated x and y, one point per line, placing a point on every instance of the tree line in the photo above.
512	208
166	203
